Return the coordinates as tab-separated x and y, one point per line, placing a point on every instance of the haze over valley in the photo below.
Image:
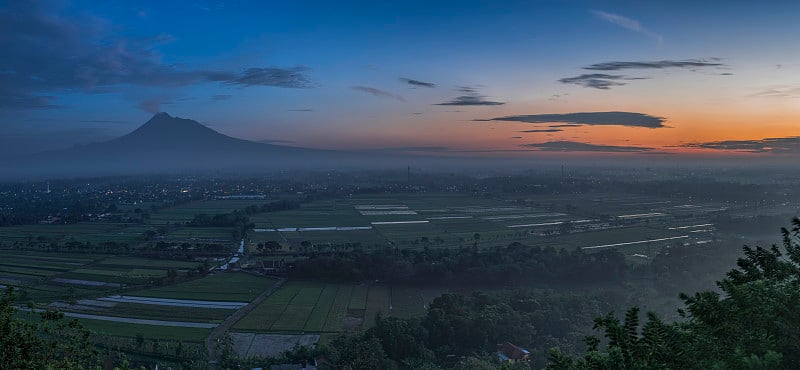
399	185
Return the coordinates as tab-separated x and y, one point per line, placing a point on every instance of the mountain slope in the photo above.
166	143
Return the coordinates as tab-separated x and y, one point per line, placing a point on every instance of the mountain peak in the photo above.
165	128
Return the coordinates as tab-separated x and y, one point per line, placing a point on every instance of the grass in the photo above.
285	310
167	313
229	286
222	234
145	262
338	310
119	329
311	307
123	272
94	232
377	302
322	308
186	212
267	313
358	297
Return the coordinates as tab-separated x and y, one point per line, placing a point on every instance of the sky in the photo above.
493	78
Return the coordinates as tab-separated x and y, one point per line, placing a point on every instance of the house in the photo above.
508	352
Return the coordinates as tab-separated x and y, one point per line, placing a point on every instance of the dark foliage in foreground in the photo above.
47	343
457	327
754	324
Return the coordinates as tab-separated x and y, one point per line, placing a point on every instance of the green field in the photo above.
94	232
118	329
231	286
217	234
452	220
186	212
327	213
166	313
310	307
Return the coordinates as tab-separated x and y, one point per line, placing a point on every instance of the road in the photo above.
211	342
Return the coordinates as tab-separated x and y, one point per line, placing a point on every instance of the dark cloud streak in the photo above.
604	81
574	146
470	97
780	145
661	64
273	76
631	119
544	130
418	83
416	149
598	80
378	92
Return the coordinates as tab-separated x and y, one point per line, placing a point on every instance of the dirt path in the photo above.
216	334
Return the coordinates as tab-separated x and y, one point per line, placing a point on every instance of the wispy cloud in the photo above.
779	92
19	100
418	83
155	104
574	146
301	110
627	23
544	130
631	119
416	149
470	97
598	80
780	145
221	97
294	77
605	81
660	64
378	92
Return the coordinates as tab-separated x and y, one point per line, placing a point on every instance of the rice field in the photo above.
93	232
637	224
87	284
229	286
186	212
309	307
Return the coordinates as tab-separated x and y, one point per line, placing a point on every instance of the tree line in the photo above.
514	264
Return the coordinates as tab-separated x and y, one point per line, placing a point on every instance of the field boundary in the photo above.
223	327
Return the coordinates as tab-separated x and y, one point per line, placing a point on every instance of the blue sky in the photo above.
336	74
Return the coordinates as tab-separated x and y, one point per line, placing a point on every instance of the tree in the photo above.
754	324
49	342
172	274
353	352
